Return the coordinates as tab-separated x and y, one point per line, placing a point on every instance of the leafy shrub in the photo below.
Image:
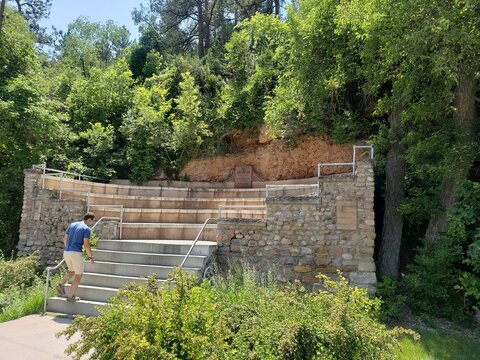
237	317
20	273
16	303
445	280
393	301
21	289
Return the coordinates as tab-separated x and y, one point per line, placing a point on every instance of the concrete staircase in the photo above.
159	226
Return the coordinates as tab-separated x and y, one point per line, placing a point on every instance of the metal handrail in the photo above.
50	268
196	240
106	217
354	160
44	169
293	186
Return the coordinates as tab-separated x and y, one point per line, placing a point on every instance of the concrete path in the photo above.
33	337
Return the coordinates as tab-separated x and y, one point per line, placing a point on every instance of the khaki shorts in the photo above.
74	260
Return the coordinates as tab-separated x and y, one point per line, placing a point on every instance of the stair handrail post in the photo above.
44	170
354	159
121	222
61	185
196	240
47	283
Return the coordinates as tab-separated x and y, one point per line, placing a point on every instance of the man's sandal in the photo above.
60	290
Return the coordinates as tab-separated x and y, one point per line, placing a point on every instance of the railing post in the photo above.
354	159
43	174
61	185
121	223
46	291
88	200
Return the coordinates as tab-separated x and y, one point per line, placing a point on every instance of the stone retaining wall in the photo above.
304	236
45	218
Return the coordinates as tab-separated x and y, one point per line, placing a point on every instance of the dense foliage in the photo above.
401	74
235	318
21	289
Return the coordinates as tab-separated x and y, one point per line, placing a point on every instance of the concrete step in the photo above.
167	231
205	248
54	182
145	202
93	293
193	261
192	216
115	268
81	307
112	281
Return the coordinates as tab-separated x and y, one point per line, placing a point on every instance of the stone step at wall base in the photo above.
81	307
113	281
193	261
133	231
93	293
136	270
205	248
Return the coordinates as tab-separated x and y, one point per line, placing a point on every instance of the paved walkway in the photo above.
33	337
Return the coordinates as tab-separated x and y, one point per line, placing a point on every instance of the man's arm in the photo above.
65	239
88	248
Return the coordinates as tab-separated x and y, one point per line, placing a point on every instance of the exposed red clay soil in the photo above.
274	160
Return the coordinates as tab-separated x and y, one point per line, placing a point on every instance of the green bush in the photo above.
445	280
21	289
393	300
20	273
237	317
17	303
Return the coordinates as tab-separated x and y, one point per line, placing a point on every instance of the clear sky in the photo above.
64	12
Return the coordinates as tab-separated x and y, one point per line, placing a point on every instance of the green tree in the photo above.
146	129
256	58
89	44
29	129
103	98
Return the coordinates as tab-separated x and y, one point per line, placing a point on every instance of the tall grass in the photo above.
21	287
437	346
22	302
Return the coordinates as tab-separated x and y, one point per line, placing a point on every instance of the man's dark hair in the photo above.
89	215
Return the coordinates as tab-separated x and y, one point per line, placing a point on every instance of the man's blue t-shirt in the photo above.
76	232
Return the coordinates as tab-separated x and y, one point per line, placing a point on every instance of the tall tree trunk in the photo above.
389	256
2	14
269	8
277	7
201	29
465	118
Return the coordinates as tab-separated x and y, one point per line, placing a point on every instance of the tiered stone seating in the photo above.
159	226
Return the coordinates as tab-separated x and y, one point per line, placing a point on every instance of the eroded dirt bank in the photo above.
274	160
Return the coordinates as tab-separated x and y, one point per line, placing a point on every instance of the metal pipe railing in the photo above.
50	268
44	169
196	240
354	160
47	284
120	218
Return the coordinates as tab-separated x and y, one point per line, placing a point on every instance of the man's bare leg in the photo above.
67	277
74	286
